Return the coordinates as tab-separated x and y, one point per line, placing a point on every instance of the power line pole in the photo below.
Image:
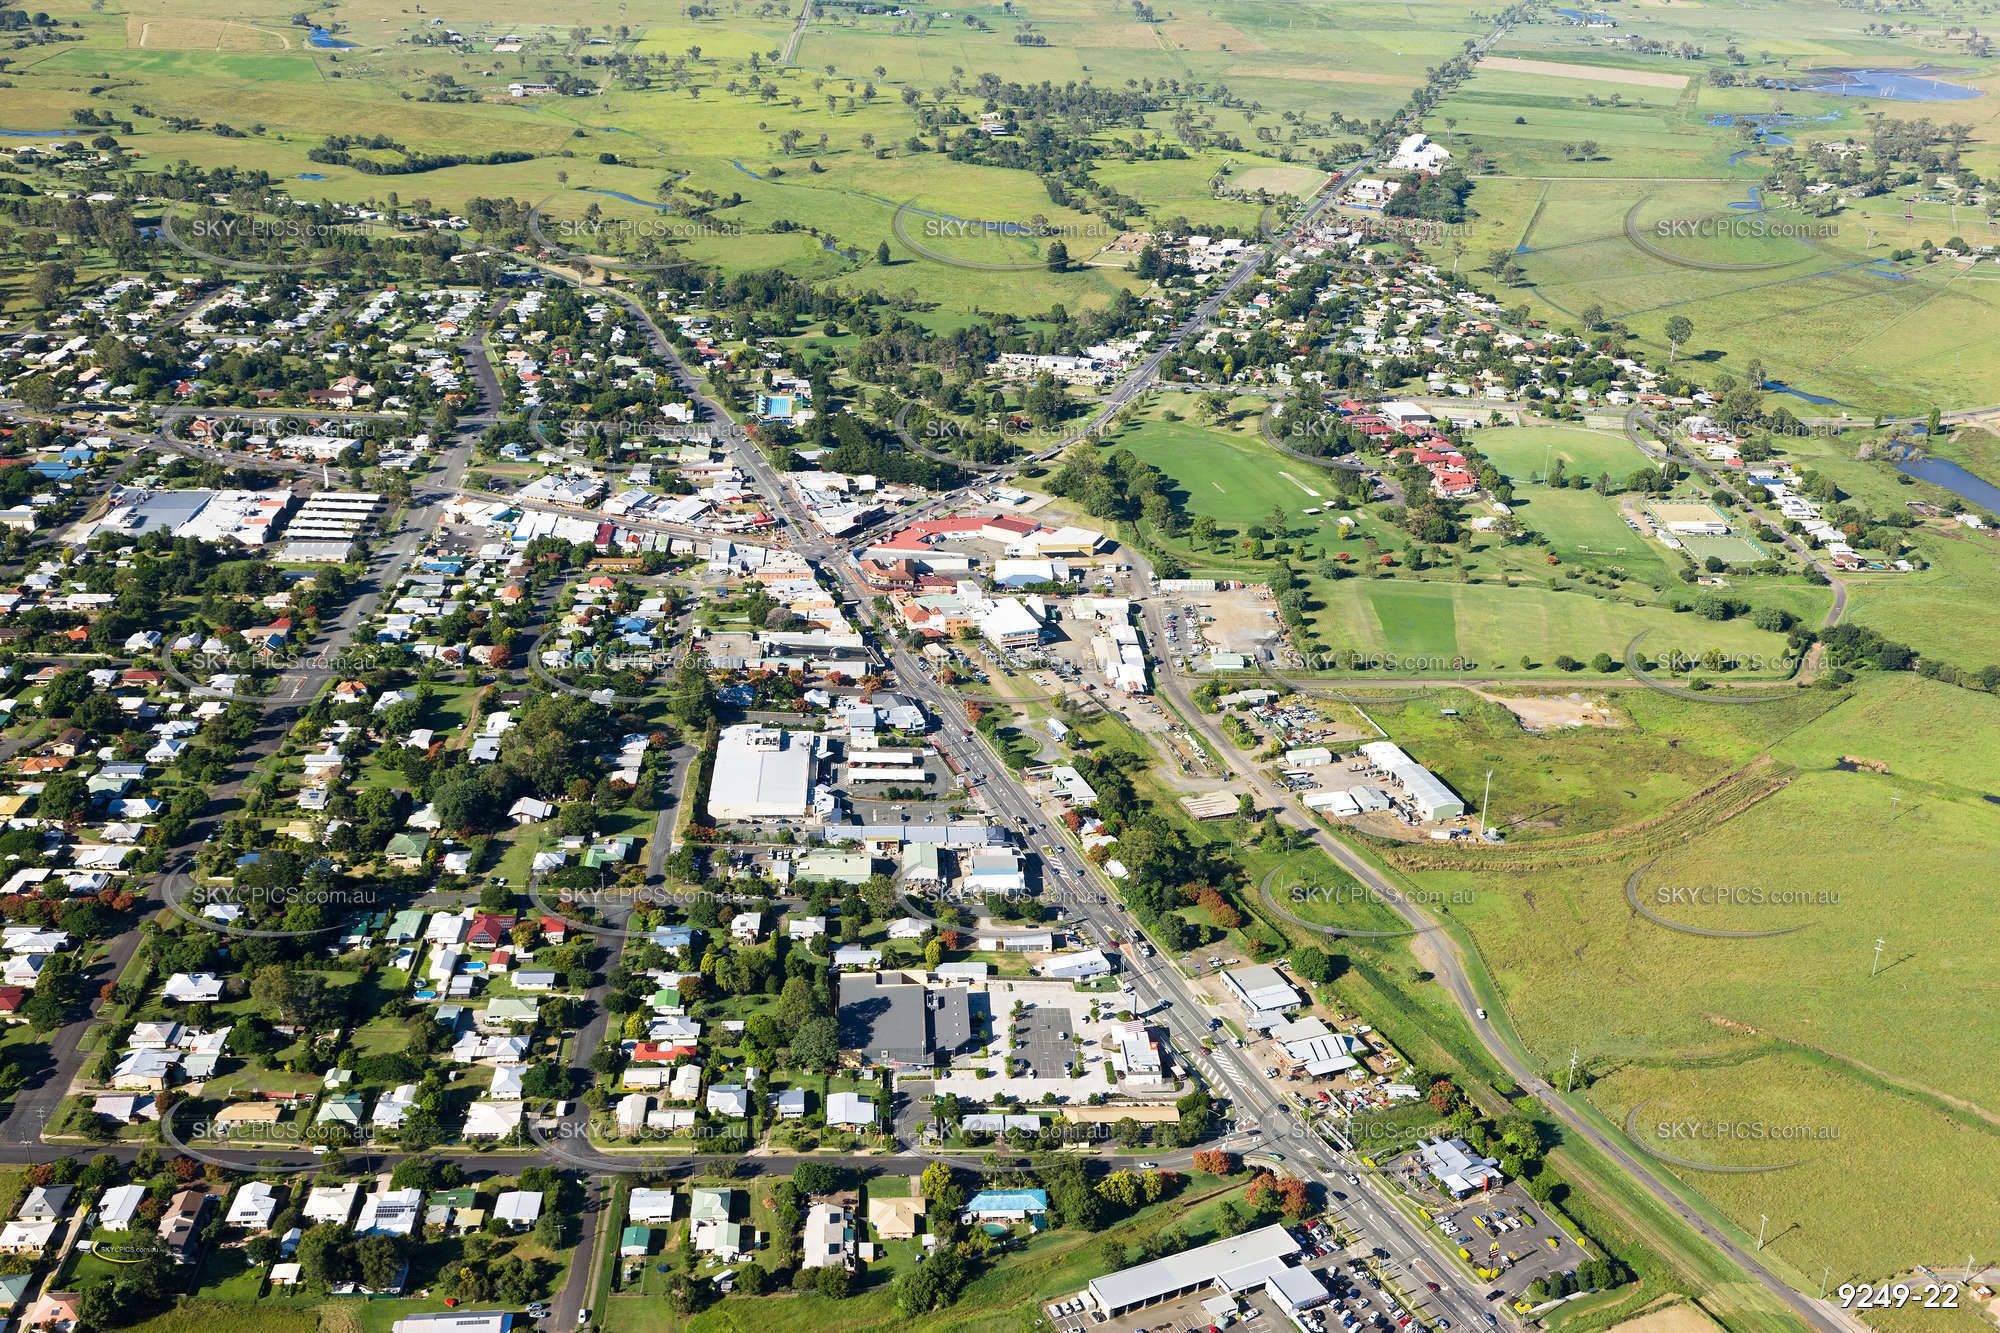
1569	1085
1878	959
1762	1221
1482	803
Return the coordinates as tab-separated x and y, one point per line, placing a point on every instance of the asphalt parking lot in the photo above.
1042	1038
1522	1252
1502	1229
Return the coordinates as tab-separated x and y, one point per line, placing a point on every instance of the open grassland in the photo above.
821	145
1829	1132
1658	752
1362	58
1787	1027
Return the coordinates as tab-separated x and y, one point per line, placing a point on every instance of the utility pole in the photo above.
1569	1085
1761	1222
1878	959
1482	804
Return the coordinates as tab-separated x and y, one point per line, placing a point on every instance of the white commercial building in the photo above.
762	773
1431	799
1237	1264
1264	992
1457	1169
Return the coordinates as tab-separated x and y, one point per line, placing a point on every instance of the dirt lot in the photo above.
1638	78
1244	618
1679	1318
1553	712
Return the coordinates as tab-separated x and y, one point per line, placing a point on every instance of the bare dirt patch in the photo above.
1279	180
1244	618
1637	78
1673	1319
1553	712
176	33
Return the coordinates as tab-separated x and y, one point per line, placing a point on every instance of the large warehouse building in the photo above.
762	773
1238	1264
886	1019
1431	799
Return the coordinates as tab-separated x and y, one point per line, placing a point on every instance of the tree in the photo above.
812	1179
817	1045
882	254
796	1004
297	996
379	1262
933	1284
1679	329
1313	964
465	805
1058	256
65	794
941	1187
323	1256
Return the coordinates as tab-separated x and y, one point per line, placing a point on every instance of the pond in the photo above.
630	199
326	41
1976	491
1779	386
1918	84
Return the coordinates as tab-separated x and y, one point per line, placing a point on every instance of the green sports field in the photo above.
1494	626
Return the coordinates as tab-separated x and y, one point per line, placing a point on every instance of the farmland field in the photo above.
1827	312
1693	1027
